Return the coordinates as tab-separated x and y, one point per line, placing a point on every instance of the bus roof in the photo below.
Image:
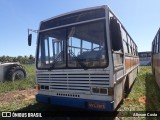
85	9
75	11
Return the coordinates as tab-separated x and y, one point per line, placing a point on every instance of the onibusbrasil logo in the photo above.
20	114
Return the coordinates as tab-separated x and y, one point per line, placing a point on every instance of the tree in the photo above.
3	58
21	59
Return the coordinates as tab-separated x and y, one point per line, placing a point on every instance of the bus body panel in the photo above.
76	102
118	92
156	68
156	57
76	98
125	65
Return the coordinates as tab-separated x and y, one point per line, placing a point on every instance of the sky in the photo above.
141	18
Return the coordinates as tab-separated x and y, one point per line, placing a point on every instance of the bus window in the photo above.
157	44
116	37
125	47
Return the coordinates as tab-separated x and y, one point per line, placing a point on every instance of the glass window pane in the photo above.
83	37
125	47
51	49
124	35
73	18
74	46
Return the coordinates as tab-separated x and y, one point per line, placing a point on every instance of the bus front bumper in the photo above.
86	104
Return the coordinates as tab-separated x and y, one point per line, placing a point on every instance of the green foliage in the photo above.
21	59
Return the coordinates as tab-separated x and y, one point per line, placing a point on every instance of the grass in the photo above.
23	84
14	106
144	95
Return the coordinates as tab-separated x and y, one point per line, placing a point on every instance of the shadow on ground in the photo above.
152	96
51	112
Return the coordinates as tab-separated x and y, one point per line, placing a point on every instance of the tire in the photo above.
16	72
126	88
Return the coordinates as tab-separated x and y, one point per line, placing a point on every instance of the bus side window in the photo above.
158	43
116	41
155	44
152	47
125	45
116	37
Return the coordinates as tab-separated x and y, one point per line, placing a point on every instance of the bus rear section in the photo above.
81	60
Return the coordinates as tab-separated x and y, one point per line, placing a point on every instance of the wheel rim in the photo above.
19	74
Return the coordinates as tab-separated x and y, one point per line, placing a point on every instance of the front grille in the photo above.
77	82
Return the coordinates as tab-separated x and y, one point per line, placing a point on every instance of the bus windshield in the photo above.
77	46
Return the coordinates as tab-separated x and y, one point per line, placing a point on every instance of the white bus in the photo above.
84	59
145	58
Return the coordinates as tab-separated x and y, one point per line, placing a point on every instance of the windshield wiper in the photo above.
79	61
55	61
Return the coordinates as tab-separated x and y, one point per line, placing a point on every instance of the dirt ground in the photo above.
23	95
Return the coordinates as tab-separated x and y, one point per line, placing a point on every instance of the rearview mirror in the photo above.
116	38
29	39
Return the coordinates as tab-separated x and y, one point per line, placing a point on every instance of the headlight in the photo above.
100	90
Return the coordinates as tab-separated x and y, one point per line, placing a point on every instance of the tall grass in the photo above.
22	84
144	95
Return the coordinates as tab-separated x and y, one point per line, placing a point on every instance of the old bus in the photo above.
156	57
85	59
145	58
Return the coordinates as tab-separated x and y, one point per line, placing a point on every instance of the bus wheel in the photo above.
126	88
154	74
137	70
